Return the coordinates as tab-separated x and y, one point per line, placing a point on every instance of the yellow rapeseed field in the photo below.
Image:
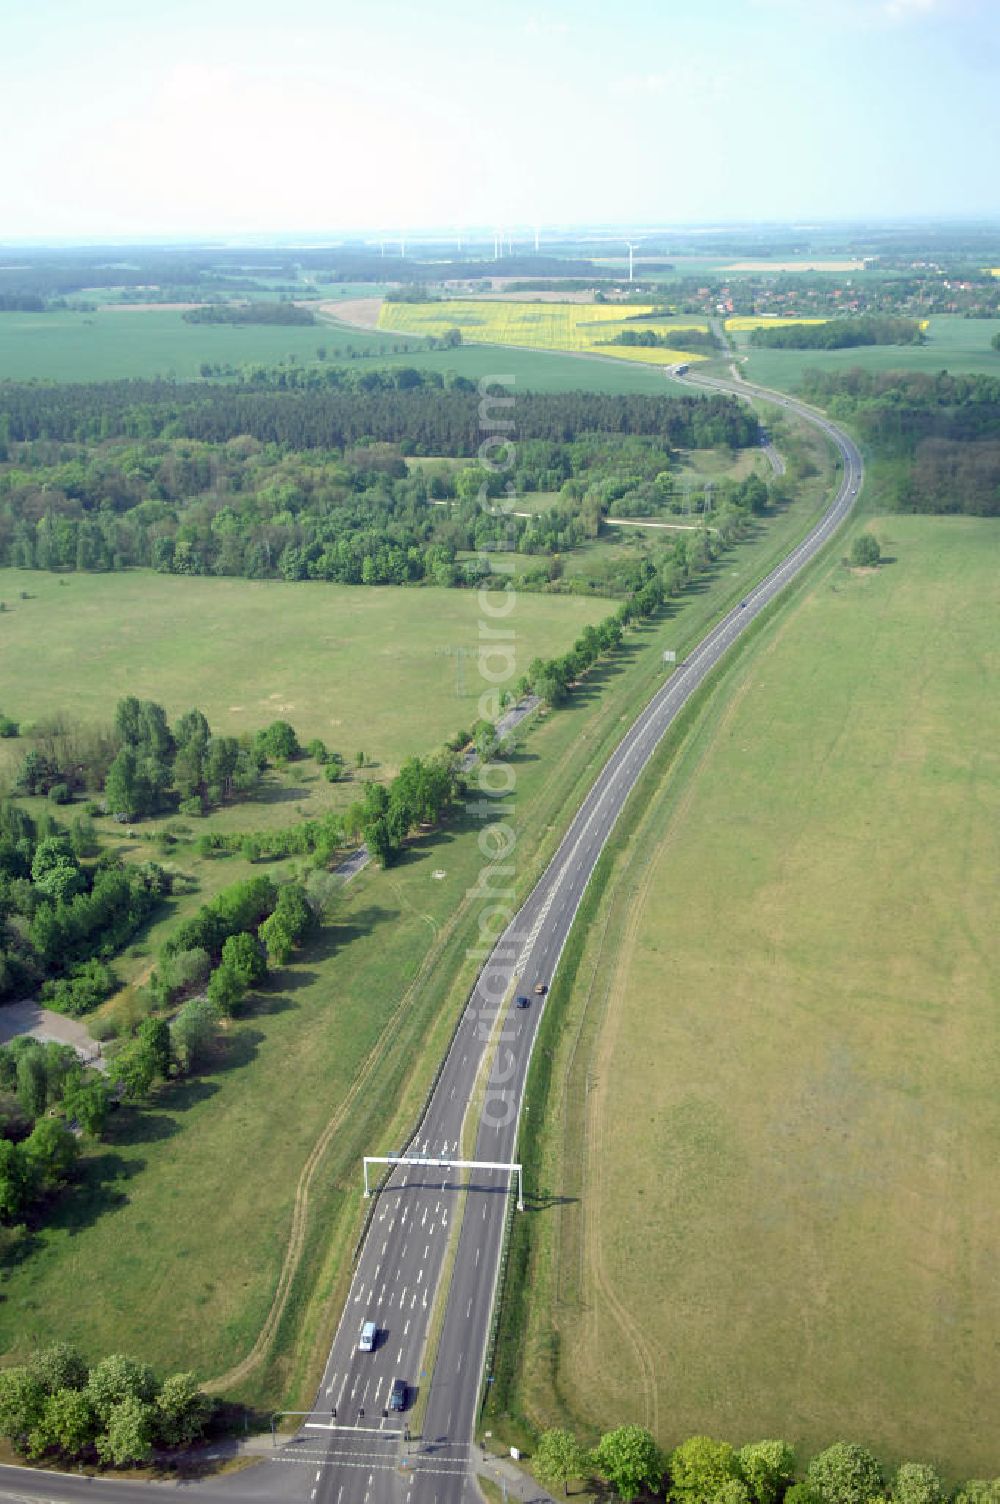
744	321
581	328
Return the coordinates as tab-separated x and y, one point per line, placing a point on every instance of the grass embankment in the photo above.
179	1241
770	1130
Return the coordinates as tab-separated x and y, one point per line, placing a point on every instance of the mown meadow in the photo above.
769	1146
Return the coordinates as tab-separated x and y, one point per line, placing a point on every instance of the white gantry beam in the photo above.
429	1162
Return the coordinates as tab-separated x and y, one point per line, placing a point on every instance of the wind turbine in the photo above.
497	244
537	232
402	247
631	248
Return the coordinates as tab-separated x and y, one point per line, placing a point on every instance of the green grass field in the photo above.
953	344
769	1164
175	1247
113	343
382	670
117	342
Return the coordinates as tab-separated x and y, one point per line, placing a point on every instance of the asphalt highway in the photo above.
365	1456
353	1450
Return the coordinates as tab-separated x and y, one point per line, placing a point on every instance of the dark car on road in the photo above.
397	1395
524	1002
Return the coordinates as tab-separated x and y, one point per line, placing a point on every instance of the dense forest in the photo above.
400	406
358	515
21	302
167	271
939	434
841	334
259	312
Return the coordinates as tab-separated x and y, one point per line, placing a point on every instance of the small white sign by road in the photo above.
669	656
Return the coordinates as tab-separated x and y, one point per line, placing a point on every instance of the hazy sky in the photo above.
119	117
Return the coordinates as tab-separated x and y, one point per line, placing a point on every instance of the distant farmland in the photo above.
953	344
771	1153
114	343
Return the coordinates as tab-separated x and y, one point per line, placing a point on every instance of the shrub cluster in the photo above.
115	1412
56	915
420	794
44	1088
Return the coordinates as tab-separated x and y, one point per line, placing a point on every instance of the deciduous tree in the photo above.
559	1457
129	1434
698	1469
182	1410
844	1474
916	1483
630	1460
767	1468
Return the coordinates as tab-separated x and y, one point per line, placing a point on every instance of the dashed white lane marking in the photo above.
458	1366
423	1219
469	1310
420	1276
399	1356
402	1298
319	1474
406	1327
413	1302
457	1471
427	1250
384	1247
477	1255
